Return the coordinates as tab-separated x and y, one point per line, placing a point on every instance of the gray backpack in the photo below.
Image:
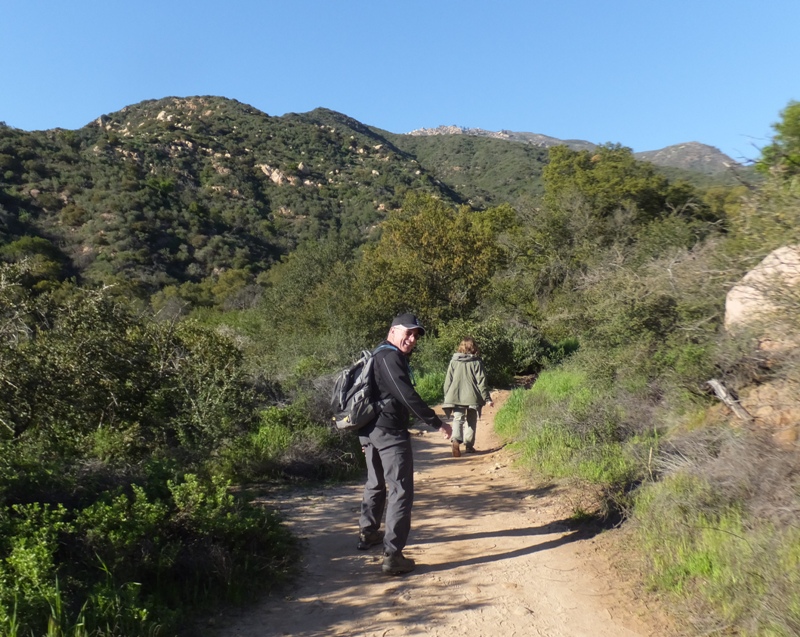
352	398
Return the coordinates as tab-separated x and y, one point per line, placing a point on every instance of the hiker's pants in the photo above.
465	424
389	486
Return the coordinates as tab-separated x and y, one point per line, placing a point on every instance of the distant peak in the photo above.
446	130
534	139
691	156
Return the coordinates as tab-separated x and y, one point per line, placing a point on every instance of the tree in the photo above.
782	156
45	263
432	259
610	178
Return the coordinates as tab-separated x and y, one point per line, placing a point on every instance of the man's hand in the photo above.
446	430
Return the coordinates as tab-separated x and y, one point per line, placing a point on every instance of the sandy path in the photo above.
494	556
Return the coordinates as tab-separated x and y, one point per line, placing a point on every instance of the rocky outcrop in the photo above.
274	174
763	301
775	407
762	293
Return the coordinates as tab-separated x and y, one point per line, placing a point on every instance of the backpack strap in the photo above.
386	346
405	359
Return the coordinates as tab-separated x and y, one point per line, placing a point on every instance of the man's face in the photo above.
403	339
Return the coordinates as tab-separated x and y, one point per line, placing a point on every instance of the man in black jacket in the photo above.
387	446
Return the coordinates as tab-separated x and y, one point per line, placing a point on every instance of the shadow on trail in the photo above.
482	452
508	555
547	529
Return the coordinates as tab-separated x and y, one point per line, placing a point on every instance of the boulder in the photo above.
763	300
757	296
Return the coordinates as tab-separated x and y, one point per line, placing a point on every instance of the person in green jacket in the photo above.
465	393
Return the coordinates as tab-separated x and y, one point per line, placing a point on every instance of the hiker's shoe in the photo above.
469	449
456	449
397	564
368	539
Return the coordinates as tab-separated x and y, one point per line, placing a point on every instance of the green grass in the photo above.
508	420
559	384
562	435
559	453
740	571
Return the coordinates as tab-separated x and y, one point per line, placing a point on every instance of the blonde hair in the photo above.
469	346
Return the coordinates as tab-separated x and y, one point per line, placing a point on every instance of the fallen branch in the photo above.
725	397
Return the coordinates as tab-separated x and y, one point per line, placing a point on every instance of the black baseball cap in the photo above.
408	321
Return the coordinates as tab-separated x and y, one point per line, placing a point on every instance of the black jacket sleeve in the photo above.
393	381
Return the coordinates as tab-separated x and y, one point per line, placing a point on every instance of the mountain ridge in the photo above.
692	155
176	190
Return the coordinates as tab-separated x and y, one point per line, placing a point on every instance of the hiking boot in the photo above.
456	449
469	449
368	539
397	564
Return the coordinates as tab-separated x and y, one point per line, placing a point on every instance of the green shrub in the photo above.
688	364
560	351
288	443
195	549
93	377
506	350
107	412
28	571
430	387
31	597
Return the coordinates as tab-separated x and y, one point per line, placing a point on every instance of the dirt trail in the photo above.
494	555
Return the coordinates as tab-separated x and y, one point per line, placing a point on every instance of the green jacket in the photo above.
465	383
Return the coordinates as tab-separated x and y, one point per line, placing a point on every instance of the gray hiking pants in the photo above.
465	424
389	486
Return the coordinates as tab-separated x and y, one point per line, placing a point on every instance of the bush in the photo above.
430	387
113	425
95	378
198	546
506	350
289	444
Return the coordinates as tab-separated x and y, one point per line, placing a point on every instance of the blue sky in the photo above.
640	73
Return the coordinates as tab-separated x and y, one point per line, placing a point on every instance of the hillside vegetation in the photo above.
181	278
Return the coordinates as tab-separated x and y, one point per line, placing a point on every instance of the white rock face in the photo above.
757	295
761	300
